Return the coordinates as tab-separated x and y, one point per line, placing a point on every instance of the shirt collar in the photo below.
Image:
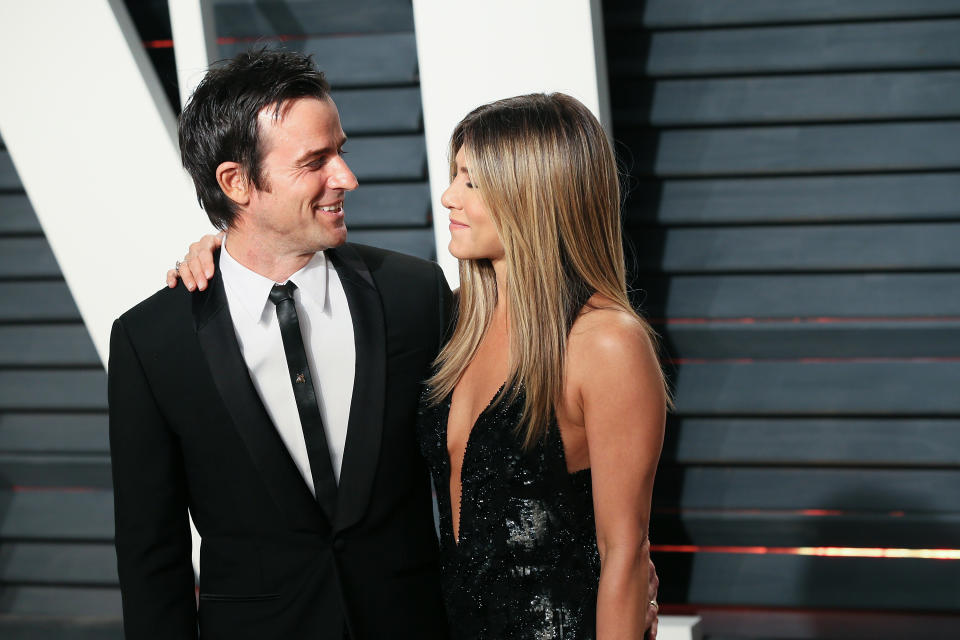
252	290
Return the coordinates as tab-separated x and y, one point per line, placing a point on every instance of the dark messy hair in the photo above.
220	122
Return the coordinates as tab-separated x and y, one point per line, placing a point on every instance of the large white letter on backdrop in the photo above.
474	52
94	142
93	139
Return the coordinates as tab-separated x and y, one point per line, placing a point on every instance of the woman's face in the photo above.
473	236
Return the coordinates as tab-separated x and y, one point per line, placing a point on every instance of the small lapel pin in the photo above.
301	378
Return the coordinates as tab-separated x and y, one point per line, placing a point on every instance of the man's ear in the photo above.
233	182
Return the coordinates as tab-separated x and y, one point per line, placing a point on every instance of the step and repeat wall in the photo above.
793	221
794	215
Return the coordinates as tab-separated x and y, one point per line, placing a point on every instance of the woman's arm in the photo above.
197	266
612	362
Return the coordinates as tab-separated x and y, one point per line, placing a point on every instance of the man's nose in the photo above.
343	178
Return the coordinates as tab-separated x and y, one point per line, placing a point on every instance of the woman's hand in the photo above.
653	613
197	266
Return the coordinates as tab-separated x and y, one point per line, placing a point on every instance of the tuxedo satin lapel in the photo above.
219	343
365	427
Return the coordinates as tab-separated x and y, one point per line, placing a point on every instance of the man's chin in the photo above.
332	240
340	239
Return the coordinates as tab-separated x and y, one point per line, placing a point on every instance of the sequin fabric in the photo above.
526	565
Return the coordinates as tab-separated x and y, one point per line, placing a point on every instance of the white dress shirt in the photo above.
327	336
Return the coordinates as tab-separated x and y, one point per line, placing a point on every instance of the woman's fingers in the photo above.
194	265
206	263
187	274
197	267
199	260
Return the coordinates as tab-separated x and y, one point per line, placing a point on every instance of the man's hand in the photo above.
654	612
197	267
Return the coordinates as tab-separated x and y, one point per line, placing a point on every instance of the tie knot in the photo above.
281	292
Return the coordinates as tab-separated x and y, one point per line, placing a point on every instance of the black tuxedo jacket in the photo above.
187	429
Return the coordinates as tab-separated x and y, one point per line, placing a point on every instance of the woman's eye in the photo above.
469	185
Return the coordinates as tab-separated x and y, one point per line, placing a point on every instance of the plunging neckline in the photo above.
466	448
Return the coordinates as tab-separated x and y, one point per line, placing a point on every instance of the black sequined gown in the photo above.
527	565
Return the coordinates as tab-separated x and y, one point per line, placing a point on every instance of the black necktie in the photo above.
324	482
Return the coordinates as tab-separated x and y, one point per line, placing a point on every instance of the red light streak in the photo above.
168	44
831	552
860	360
820	512
17	488
810	513
278	38
804	320
763	512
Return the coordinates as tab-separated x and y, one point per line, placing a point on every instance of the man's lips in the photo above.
333	209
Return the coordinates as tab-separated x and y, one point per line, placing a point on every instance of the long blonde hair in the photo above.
547	175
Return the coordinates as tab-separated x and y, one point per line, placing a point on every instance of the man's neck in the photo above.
262	258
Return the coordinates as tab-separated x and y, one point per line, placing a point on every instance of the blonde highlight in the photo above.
547	175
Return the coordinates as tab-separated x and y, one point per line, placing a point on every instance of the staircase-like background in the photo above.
795	220
796	224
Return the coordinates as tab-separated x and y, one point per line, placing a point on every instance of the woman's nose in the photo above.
447	199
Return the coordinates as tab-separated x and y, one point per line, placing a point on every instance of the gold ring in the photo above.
653	603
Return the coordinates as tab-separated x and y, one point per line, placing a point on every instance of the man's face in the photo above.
300	208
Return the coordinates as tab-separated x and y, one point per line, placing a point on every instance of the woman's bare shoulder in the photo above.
606	325
605	337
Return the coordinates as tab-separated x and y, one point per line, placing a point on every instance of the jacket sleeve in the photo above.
150	505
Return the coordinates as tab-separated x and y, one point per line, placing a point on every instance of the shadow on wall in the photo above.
636	143
7	595
282	20
6	496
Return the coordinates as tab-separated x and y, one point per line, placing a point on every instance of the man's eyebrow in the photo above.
313	153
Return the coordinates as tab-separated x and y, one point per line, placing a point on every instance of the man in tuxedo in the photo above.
278	404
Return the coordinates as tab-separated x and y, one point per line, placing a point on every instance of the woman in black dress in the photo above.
544	420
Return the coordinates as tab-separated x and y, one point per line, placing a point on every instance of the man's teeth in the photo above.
333	207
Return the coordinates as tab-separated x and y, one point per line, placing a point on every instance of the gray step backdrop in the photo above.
57	565
795	175
795	226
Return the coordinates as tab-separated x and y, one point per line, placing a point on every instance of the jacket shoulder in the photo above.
160	309
377	260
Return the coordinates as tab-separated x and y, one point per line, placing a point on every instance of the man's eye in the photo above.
343	152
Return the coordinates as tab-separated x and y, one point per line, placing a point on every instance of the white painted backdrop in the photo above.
93	140
474	52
